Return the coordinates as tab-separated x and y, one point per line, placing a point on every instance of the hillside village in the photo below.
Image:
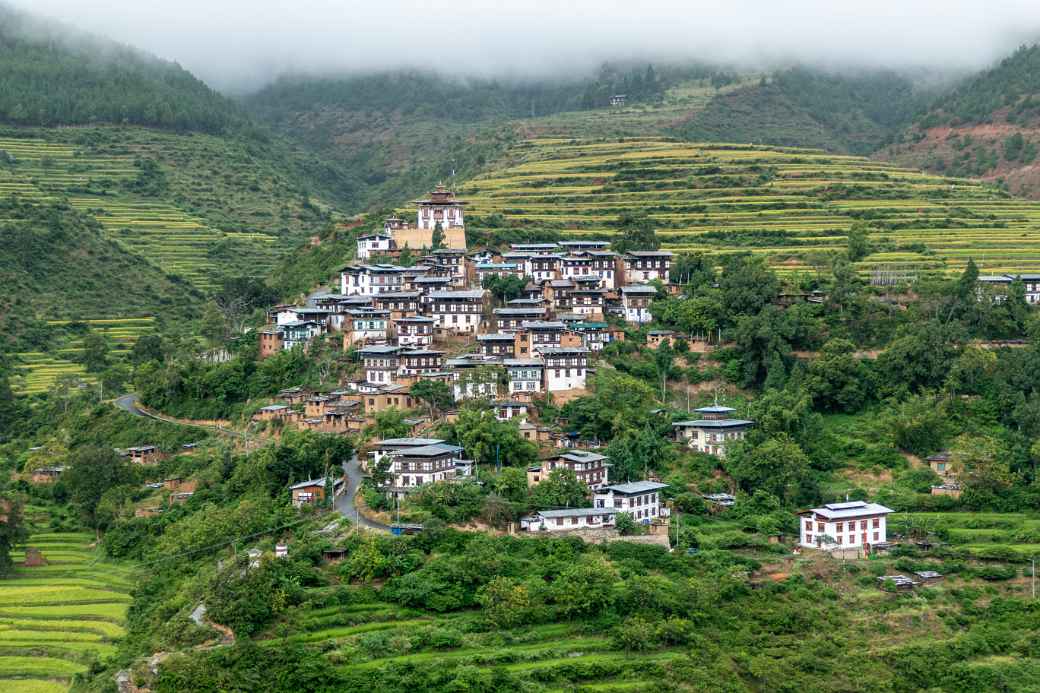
686	378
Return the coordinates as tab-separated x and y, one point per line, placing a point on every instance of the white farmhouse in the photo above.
713	431
640	499
853	524
565	368
377	243
568	518
635	302
525	376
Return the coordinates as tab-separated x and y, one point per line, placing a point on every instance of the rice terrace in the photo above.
791	205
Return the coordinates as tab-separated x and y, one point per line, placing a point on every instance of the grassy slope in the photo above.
793	205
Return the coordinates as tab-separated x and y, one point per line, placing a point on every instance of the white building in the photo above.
713	431
635	302
457	311
412	467
525	376
640	499
364	325
440	208
854	524
381	363
369	280
565	368
414	331
643	266
377	243
569	518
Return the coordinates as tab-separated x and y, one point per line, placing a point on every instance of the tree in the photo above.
626	525
585	588
93	470
147	348
95	352
561	489
859	242
511	484
239	297
747	285
490	441
635	232
437	394
506	602
635	452
390	423
618	402
504	287
437	241
776	466
12	532
837	380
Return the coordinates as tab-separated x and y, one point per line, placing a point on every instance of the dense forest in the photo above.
51	76
855	113
1011	89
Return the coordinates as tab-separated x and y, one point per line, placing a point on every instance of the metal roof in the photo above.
838	511
635	487
576	512
714	423
417	442
457	294
431	450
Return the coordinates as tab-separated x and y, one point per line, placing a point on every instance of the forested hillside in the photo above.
50	75
400	132
988	127
853	113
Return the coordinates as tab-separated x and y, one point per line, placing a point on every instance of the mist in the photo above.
240	45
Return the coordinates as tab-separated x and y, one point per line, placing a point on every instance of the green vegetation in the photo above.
799	107
793	206
89	80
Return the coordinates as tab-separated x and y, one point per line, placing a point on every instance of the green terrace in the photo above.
100	182
36	371
794	206
57	618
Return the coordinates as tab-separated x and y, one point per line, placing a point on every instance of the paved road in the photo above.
345	503
352	469
129	404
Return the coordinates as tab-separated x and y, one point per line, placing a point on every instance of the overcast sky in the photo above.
236	44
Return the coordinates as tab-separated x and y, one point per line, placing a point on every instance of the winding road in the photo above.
344	503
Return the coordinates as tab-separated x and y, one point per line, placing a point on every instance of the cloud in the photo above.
240	44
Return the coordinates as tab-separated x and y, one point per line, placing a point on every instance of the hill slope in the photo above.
853	113
794	205
50	75
988	127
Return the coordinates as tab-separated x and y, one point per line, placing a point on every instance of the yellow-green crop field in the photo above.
37	371
166	235
795	206
58	618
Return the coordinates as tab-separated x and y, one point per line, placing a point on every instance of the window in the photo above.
876	536
839	526
808	525
559	521
820	527
808	538
839	539
877	523
862	524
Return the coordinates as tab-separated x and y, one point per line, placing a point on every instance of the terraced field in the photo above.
38	371
57	618
102	185
1000	536
794	206
377	639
